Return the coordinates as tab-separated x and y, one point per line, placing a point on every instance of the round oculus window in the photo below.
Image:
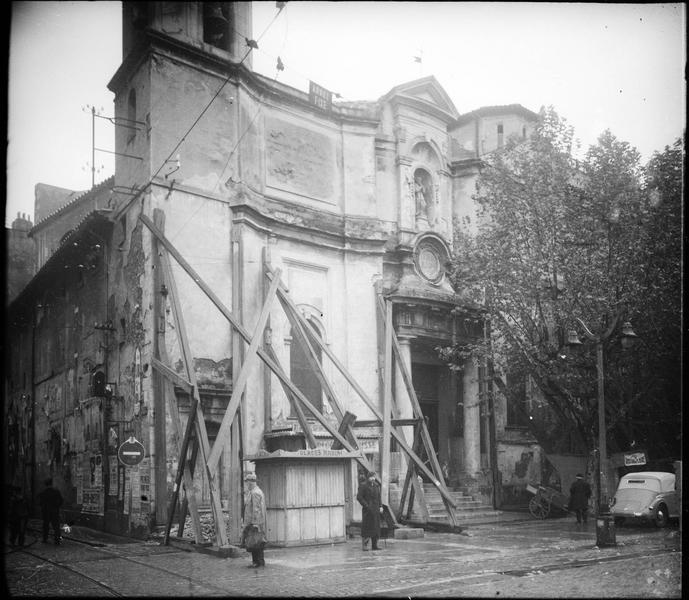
429	263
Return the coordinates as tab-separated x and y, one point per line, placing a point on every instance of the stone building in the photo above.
348	199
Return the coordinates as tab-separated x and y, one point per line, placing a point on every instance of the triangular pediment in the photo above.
424	93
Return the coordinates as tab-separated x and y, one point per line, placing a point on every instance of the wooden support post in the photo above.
175	421
185	503
346	430
182	467
238	389
437	478
410	473
198	420
387	407
158	425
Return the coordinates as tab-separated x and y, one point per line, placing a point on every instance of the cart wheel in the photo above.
539	507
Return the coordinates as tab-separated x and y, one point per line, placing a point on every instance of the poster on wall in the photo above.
120	483
136	490
92	501
145	483
98	470
113	475
127	488
79	480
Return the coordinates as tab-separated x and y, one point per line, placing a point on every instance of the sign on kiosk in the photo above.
131	452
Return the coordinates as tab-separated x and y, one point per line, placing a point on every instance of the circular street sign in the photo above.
131	452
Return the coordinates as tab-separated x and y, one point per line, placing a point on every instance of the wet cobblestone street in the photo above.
529	558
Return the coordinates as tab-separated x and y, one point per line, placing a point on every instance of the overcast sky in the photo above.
602	66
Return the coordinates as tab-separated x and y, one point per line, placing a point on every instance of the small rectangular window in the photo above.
500	135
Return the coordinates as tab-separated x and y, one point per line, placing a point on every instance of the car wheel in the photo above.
661	516
619	521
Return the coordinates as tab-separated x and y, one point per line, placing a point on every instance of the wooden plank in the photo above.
250	358
171	375
198	420
185	503
393	422
407	479
387	406
347	420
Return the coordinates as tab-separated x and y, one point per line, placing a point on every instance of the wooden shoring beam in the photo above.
346	430
182	468
410	473
393	422
301	417
387	405
374	409
198	420
172	376
185	502
412	480
438	479
175	421
273	365
250	357
298	322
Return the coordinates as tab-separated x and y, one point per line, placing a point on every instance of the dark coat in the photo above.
579	495
50	500
369	498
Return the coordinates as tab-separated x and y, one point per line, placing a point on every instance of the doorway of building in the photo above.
425	379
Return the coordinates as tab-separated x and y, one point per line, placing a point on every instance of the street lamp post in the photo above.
628	336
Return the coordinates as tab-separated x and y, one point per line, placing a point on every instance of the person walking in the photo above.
50	500
579	494
254	519
18	517
368	496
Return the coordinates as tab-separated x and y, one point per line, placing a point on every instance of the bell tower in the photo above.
208	26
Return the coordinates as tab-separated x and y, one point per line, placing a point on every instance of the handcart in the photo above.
545	501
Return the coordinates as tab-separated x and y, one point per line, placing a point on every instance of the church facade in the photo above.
350	200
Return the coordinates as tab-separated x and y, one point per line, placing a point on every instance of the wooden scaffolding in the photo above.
192	441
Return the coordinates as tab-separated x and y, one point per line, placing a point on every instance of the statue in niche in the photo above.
423	196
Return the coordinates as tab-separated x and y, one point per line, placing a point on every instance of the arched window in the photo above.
301	372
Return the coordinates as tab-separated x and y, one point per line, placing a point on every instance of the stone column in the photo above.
402	400
472	421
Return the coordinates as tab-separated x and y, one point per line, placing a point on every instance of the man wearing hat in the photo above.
579	495
368	496
254	533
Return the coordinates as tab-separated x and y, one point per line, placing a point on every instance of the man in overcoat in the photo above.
579	494
368	496
50	500
254	533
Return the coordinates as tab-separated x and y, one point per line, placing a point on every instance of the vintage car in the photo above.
646	496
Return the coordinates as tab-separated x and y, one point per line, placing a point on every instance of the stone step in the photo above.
463	518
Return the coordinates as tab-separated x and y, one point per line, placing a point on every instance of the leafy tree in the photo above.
559	239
